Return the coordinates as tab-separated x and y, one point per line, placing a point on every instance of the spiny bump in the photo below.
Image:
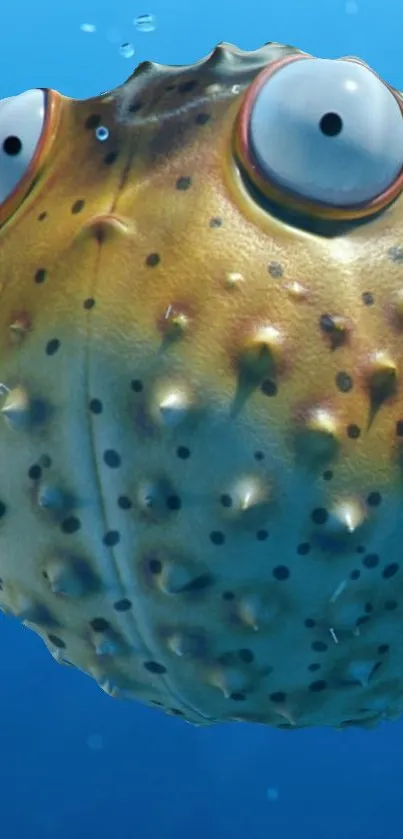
107	226
234	280
381	378
229	680
318	435
17	408
261	353
19	327
246	498
336	329
171	404
174	323
68	576
253	611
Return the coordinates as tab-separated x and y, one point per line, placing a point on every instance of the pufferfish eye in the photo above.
329	132
22	120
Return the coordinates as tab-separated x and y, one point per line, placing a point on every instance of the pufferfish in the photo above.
201	437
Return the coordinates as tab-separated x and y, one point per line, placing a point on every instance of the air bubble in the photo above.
126	50
351	7
145	23
88	27
102	133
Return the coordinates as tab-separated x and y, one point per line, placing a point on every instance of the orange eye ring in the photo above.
281	195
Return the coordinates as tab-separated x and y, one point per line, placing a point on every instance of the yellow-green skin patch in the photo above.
201	474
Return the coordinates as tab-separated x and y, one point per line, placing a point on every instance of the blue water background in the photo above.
74	763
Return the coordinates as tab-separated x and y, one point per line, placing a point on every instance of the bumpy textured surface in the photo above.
202	418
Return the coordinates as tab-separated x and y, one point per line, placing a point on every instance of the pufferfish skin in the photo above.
201	343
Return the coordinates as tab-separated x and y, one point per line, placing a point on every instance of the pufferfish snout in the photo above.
201	404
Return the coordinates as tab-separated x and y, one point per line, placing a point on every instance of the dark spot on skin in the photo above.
344	381
111	538
42	216
269	388
390	605
202	118
216	537
71	525
355	575
215	222
183	183
275	269
122	605
40	275
374	499
281	572
314	667
153	259
278	697
262	535
228	595
136	385
315	687
183	452
52	346
319	646
92	121
89	303
124	502
383	649
370	560
259	456
78	206
333	329
154	667
303	548
238	697
327	475
320	515
368	298
173	502
353	431
110	157
246	656
112	458
34	472
309	623
390	570
99	625
96	406
226	500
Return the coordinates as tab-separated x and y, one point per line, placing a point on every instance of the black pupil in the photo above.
12	145
331	124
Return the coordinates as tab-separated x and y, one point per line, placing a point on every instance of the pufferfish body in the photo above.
201	334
